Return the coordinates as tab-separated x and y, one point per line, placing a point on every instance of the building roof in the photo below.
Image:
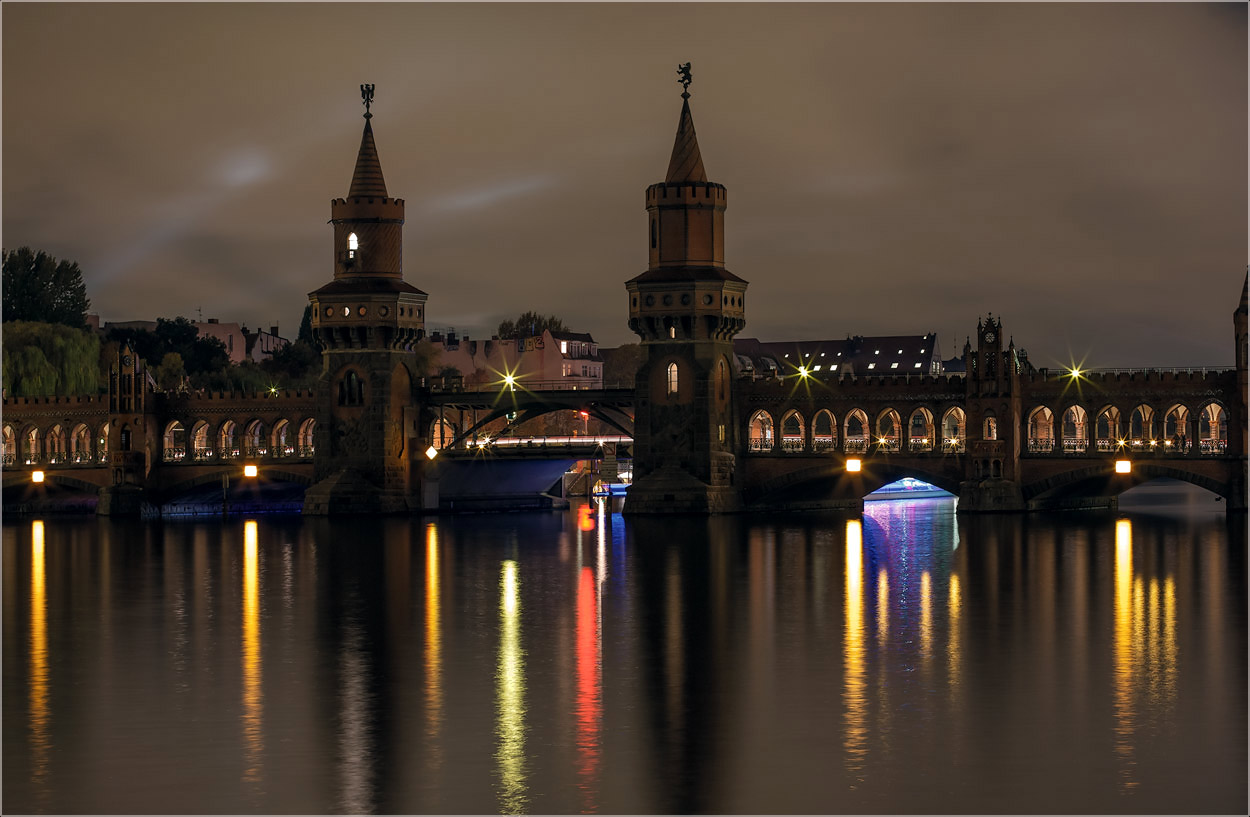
367	179
581	337
687	273
362	285
884	354
686	163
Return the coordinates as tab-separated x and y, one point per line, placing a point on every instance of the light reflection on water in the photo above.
522	663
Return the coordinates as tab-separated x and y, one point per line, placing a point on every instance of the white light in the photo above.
36	476
1123	466
853	465
431	452
249	470
917	366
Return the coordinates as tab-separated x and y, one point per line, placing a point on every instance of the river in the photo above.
904	660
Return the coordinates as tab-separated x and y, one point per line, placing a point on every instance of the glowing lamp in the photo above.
36	476
1123	466
802	371
853	465
249	470
431	452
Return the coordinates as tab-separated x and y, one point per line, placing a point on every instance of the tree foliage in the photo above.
178	336
39	288
49	360
170	374
529	324
621	365
295	366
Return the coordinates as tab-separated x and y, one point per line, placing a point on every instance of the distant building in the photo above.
261	344
240	344
556	360
858	355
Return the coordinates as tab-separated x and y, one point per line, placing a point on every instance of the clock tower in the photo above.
686	308
992	469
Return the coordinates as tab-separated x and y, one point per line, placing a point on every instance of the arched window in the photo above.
351	390
760	431
672	332
653	235
80	444
1041	430
306	429
174	443
10	445
672	378
990	430
721	378
352	245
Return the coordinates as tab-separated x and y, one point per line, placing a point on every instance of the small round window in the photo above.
347	311
383	311
650	300
329	311
668	299
362	310
707	300
685	299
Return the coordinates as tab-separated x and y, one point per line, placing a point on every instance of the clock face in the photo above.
989	337
126	360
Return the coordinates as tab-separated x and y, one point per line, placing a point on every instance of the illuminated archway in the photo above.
227	443
174	442
920	436
1075	431
80	445
954	425
760	431
792	431
824	431
889	430
1041	430
855	432
306	430
54	444
1212	429
1107	435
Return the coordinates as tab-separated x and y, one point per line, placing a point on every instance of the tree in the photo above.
49	360
621	365
39	288
529	324
295	366
305	326
170	374
177	336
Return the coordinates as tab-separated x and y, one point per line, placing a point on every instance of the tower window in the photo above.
653	236
672	378
352	245
672	331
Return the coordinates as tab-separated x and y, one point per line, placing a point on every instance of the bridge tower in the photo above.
366	322
133	436
686	307
992	479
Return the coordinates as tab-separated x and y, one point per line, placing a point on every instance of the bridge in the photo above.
708	434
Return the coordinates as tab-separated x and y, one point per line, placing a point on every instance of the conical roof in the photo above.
367	179
686	165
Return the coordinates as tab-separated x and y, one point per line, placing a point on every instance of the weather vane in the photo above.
683	71
366	93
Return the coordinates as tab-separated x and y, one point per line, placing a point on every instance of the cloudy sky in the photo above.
1078	170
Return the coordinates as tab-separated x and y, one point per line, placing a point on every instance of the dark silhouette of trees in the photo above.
200	356
39	288
529	324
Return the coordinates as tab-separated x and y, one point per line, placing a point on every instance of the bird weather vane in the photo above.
683	71
366	93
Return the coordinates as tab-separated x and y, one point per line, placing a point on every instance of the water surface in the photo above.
905	660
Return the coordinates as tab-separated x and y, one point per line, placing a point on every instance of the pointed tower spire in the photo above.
686	164
367	178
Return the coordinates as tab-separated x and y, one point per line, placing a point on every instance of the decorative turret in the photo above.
368	304
686	292
686	308
366	322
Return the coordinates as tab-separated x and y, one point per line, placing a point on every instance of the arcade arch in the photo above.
760	431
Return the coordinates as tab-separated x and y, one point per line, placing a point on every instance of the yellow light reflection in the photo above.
40	741
883	606
433	647
1122	653
855	698
952	639
510	696
253	737
926	616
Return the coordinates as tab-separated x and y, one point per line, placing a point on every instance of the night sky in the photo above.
1080	170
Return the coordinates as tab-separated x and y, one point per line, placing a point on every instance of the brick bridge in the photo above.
709	436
